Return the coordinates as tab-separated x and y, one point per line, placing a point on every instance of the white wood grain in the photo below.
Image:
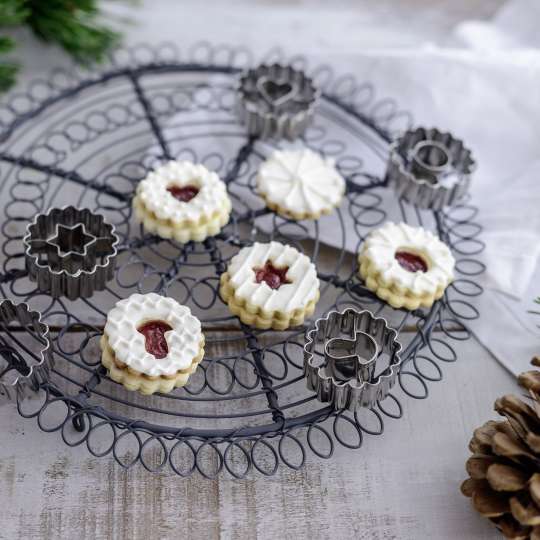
402	485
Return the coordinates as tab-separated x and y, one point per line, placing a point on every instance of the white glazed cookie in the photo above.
406	266
182	201
300	184
151	343
270	286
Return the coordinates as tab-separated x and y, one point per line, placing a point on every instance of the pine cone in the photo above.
504	469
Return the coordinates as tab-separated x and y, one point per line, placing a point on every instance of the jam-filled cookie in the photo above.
183	201
151	343
300	184
270	286
406	266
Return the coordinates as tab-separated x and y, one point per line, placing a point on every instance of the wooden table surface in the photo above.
403	484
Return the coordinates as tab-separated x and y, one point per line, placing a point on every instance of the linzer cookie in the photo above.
270	286
151	343
406	266
183	201
300	184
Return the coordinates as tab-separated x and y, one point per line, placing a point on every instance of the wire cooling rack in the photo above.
88	138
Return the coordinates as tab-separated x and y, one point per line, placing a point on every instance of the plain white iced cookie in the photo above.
300	184
129	345
255	271
403	261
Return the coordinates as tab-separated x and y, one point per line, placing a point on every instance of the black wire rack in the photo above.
87	138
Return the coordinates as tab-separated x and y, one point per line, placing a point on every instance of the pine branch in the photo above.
13	12
8	70
72	24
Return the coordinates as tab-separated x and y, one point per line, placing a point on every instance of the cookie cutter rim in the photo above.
82	283
269	123
422	192
26	385
352	394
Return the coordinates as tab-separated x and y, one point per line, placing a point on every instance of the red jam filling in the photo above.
183	194
272	276
154	334
411	262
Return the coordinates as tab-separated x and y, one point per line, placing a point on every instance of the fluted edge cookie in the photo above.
270	286
407	267
182	201
151	343
300	184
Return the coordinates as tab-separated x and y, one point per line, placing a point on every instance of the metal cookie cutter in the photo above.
18	378
276	101
429	168
70	252
351	359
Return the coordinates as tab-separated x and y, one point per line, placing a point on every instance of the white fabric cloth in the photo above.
484	87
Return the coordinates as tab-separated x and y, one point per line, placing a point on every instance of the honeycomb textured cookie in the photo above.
270	286
300	184
182	201
151	343
408	267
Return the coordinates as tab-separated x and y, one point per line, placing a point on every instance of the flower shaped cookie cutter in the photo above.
351	359
276	101
18	378
70	252
430	168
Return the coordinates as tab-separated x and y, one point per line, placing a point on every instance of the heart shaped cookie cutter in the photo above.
276	101
351	359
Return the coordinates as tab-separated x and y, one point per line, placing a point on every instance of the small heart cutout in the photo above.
276	94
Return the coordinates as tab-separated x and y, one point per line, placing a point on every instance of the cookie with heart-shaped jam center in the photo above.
183	201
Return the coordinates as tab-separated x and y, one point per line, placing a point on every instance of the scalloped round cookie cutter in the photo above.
70	252
18	379
429	168
353	344
276	100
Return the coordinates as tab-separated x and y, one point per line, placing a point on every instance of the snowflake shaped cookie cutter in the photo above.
70	252
20	379
276	101
351	359
430	168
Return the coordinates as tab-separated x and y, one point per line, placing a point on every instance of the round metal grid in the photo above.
88	139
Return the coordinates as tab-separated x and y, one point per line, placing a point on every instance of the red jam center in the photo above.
411	262
183	194
272	276
154	334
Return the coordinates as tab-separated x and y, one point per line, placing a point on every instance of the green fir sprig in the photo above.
74	25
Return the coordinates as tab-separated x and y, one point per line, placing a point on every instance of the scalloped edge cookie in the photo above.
187	231
395	285
254	316
287	163
145	384
260	305
204	215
